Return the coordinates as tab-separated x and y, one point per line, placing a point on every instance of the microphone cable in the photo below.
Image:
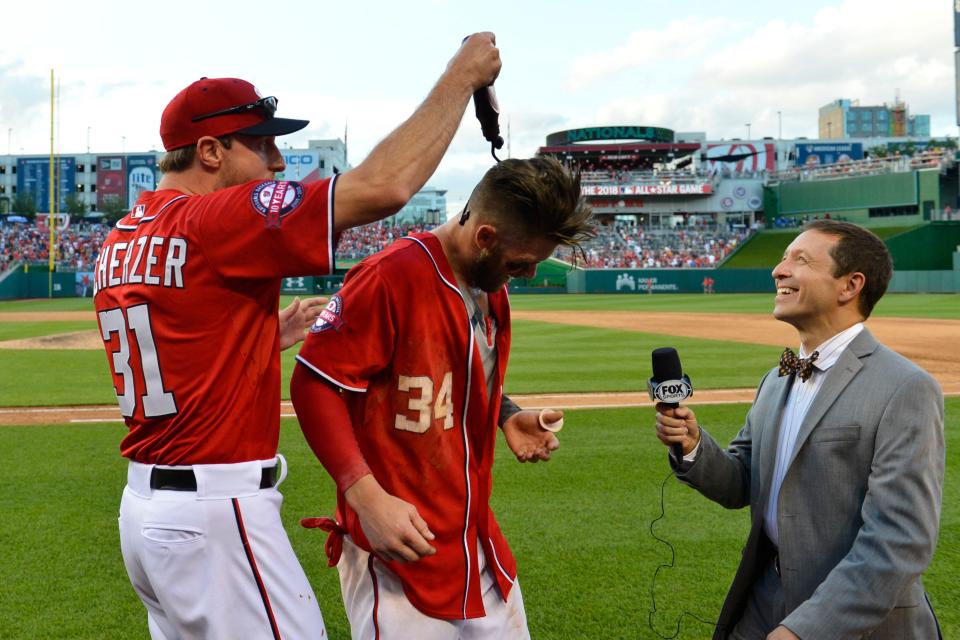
672	564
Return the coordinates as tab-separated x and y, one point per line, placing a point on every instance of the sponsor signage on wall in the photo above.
141	176
742	157
831	153
111	180
301	166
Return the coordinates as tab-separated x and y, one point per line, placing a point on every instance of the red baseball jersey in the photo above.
186	297
398	339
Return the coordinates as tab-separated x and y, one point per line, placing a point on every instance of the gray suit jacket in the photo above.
859	507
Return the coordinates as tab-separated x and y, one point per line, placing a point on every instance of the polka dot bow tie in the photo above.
791	363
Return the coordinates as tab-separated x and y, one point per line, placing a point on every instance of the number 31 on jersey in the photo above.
157	401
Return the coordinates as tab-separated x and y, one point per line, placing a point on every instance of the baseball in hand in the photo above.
550	426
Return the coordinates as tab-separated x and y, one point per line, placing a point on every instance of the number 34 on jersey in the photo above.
423	405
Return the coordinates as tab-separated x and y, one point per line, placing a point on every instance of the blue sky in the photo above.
688	65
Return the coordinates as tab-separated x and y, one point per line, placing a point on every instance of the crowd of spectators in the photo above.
616	246
790	222
77	245
359	242
896	163
633	247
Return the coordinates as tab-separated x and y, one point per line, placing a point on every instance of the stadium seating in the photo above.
616	246
77	245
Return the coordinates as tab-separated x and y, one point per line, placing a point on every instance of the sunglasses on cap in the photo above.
268	104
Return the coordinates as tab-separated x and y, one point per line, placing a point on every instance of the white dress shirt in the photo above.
799	399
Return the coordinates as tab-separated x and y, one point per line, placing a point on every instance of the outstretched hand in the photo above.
527	439
394	529
297	317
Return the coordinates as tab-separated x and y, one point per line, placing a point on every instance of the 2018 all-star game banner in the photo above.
662	188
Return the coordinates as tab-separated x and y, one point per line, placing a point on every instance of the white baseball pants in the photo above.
378	609
215	563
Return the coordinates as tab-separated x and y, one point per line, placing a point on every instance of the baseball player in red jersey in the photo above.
187	290
398	389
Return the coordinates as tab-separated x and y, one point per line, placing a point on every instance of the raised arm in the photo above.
401	164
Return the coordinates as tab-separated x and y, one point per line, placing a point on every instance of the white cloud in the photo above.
681	39
24	97
846	51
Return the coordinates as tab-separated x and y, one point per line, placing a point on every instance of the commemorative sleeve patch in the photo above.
331	317
275	199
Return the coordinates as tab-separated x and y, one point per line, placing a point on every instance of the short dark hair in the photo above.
858	250
535	197
177	160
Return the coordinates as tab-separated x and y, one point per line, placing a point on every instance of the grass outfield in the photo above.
766	248
907	305
589	359
19	330
554	358
544	358
578	526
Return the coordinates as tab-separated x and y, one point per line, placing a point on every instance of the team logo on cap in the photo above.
275	199
330	317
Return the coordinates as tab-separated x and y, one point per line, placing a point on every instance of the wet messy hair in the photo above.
531	198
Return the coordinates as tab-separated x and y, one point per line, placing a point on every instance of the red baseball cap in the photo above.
218	107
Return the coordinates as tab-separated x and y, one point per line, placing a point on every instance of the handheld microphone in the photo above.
488	113
669	385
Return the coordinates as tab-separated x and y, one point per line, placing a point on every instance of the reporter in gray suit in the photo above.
841	461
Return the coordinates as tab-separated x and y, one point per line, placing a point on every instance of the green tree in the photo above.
113	209
24	204
74	205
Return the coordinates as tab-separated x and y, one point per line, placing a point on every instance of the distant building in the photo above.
103	181
428	206
845	118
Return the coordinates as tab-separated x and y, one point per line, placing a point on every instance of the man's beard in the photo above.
484	271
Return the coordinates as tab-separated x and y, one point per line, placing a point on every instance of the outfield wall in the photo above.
668	280
930	247
737	280
852	198
925	281
36	284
